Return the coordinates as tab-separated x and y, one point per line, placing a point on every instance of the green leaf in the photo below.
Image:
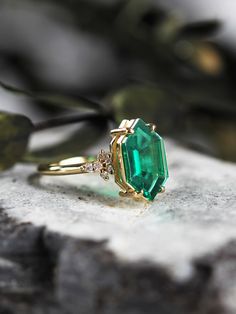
200	29
54	99
150	103
15	131
74	145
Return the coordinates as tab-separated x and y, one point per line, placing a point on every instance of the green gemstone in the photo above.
144	160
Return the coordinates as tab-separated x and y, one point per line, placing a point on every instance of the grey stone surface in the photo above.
113	255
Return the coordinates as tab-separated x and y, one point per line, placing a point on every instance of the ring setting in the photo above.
136	158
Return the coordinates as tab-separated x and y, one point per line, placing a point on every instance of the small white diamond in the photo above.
101	155
104	157
104	175
110	169
108	156
89	167
97	166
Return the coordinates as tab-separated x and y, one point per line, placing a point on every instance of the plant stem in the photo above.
76	118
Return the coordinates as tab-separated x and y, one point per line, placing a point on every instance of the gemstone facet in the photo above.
143	159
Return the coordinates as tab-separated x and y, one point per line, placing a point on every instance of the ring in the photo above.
136	158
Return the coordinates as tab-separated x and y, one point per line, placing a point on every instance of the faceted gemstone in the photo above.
89	167
144	160
97	166
105	175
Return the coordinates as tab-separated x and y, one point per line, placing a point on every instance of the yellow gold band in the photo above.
75	165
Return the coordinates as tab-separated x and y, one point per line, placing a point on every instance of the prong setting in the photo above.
130	159
133	194
152	126
121	131
162	189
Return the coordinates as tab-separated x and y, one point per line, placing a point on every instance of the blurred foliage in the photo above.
51	99
15	131
78	141
175	75
126	103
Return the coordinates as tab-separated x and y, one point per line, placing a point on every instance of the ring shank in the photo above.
75	165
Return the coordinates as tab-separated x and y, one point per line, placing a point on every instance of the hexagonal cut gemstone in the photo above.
144	159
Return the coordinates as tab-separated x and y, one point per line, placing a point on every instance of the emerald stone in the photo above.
144	159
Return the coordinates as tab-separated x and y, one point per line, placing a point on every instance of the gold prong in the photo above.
152	126
121	131
124	123
162	189
130	131
139	196
128	193
123	194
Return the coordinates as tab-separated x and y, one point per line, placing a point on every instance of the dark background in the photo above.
170	62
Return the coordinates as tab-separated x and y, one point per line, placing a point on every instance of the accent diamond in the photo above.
97	166
104	175
89	167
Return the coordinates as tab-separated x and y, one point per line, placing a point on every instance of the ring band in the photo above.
74	165
136	158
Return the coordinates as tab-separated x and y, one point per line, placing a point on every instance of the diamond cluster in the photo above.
103	164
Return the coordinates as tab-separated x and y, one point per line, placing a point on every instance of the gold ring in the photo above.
136	158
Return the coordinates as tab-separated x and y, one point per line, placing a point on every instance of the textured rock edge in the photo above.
44	272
